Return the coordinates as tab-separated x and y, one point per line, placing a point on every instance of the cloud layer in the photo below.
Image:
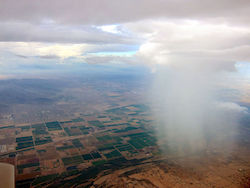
117	11
208	46
164	31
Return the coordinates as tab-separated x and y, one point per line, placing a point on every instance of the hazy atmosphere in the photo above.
175	72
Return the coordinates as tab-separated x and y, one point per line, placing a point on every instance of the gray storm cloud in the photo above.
56	33
190	115
64	22
193	64
118	11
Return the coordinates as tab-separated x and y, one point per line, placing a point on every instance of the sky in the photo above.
152	31
184	34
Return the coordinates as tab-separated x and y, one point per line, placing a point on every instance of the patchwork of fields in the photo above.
46	152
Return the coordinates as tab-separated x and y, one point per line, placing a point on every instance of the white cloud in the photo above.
62	51
178	33
232	107
192	43
28	49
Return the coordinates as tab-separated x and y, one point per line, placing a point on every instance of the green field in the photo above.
120	110
124	147
39	129
24	139
87	157
126	129
77	143
106	147
77	120
70	132
96	155
141	140
21	145
84	129
96	123
44	140
62	148
113	154
42	179
53	126
25	128
28	165
72	160
96	163
104	138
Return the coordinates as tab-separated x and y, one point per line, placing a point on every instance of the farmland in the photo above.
61	148
99	130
